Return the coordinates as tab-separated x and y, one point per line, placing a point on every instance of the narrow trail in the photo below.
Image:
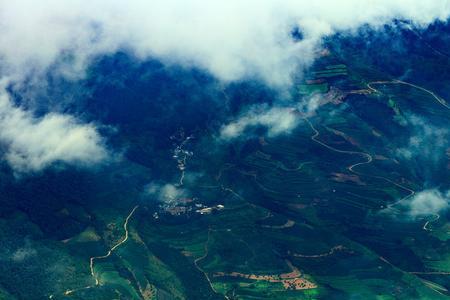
226	167
329	253
110	251
433	286
435	50
255	178
417	273
430	273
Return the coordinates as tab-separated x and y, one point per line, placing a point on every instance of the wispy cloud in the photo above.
32	143
231	39
427	141
277	120
428	202
24	253
166	193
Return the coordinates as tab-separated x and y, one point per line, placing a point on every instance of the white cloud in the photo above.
232	39
277	120
427	141
22	254
32	144
166	192
428	202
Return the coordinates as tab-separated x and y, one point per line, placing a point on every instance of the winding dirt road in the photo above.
110	251
425	226
367	156
439	99
396	81
368	159
125	238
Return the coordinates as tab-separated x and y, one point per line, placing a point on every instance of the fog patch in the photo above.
427	141
277	120
33	143
428	202
166	193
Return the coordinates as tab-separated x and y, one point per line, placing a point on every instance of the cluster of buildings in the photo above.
186	206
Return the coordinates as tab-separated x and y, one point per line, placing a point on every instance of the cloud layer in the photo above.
231	39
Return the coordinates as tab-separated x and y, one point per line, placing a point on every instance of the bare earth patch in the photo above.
293	280
341	177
